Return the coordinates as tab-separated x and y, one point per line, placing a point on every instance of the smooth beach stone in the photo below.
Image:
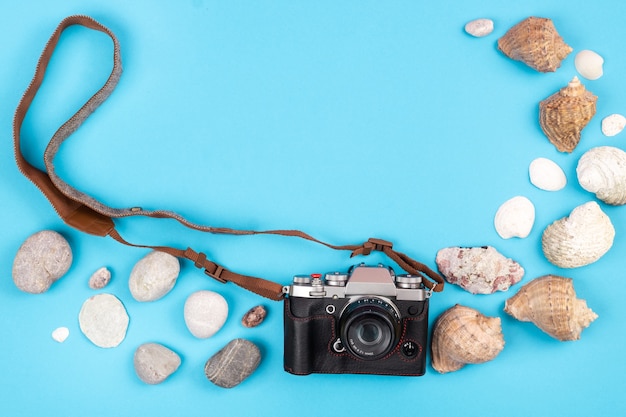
254	316
100	279
205	313
103	320
479	27
233	364
153	276
154	362
42	259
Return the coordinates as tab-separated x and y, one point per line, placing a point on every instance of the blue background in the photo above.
348	120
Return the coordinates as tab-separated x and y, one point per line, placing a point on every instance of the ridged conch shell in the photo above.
535	42
602	171
579	239
565	114
550	303
463	336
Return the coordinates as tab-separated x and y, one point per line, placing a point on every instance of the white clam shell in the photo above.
479	27
589	64
546	175
602	171
579	239
613	124
515	218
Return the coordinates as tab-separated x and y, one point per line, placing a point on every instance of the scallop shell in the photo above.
535	42
463	336
580	239
565	114
602	171
550	303
515	218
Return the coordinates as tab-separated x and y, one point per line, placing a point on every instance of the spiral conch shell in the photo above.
463	336
580	239
602	171
535	42
550	303
565	114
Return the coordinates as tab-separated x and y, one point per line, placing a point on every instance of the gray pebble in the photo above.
153	276
100	279
103	320
154	363
42	259
234	363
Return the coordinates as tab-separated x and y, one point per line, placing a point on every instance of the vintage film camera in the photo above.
366	321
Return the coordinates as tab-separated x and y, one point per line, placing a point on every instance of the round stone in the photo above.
103	320
233	364
153	276
154	363
42	259
205	313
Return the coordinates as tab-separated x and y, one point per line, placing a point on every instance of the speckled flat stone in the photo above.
42	259
154	363
233	364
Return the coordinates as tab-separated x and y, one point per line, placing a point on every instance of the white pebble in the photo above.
103	320
613	124
515	218
546	175
60	334
479	27
205	313
153	276
589	64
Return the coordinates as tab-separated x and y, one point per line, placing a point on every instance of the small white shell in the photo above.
60	334
602	171
579	239
546	175
479	27
515	218
589	64
613	124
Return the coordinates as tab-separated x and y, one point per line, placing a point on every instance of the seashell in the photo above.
535	42
479	27
565	114
479	270
550	303
463	336
579	239
589	64
546	175
613	124
602	171
515	218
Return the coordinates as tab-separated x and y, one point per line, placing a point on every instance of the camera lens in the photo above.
370	328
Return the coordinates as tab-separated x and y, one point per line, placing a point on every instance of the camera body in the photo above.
365	321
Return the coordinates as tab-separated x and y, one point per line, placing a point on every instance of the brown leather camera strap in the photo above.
89	215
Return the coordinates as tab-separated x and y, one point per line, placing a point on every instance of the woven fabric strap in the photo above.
89	215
